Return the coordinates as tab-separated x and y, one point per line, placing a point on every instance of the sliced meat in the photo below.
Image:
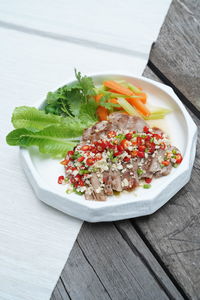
94	133
146	167
107	179
98	192
126	122
116	122
130	178
128	181
116	181
164	171
155	166
155	163
87	134
89	196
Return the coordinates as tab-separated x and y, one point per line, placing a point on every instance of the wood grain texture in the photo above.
59	292
193	6
176	52
112	262
80	279
173	231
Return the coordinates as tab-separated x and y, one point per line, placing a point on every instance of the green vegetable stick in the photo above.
127	107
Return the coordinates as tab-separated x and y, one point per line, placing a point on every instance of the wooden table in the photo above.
158	256
152	257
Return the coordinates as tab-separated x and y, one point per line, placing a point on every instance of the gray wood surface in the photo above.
176	52
60	292
192	6
79	277
173	231
110	261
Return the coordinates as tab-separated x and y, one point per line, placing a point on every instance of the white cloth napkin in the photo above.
35	240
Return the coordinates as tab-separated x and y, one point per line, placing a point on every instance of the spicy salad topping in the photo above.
119	160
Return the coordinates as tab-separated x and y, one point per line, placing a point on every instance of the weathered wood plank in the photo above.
176	52
79	278
103	264
173	231
193	6
122	272
138	246
59	292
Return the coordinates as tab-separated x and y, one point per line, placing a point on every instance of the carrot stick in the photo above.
126	91
98	97
143	97
139	106
113	85
114	100
102	113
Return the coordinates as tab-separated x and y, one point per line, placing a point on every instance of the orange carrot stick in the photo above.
98	97
114	100
139	106
118	88
102	113
143	97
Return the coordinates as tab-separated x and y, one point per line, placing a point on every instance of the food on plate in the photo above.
57	125
103	129
116	155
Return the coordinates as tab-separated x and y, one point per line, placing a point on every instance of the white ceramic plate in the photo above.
43	172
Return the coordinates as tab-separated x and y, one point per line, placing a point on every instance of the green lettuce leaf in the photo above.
52	140
51	133
33	119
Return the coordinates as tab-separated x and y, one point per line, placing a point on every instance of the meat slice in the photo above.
116	122
155	167
94	133
128	181
167	169
89	196
107	179
116	181
146	167
130	178
155	162
126	122
98	192
164	171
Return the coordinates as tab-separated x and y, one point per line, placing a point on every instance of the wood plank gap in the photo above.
159	260
73	40
165	80
65	287
93	269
